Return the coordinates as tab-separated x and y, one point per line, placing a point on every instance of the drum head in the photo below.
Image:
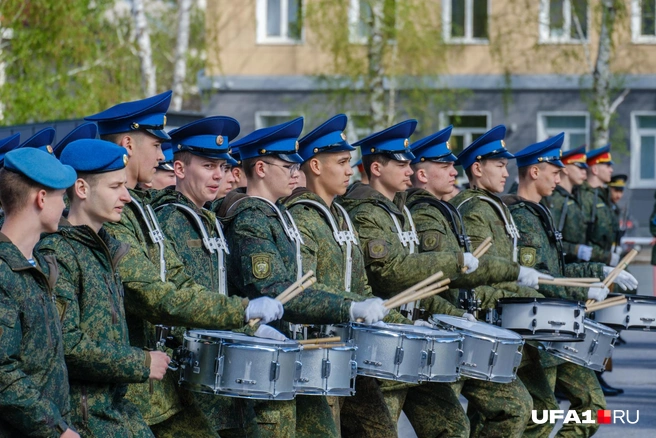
557	301
479	328
218	335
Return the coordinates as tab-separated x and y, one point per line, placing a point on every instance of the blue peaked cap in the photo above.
8	144
392	141
167	151
85	130
328	137
148	115
281	140
488	146
435	147
42	140
90	155
547	151
41	167
208	137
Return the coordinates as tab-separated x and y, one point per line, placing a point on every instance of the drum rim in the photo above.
528	300
513	336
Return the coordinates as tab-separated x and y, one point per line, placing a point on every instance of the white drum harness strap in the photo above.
155	233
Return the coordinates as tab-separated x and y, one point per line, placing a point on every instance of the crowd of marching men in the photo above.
122	230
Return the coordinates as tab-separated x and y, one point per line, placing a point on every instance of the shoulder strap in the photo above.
155	233
451	215
554	235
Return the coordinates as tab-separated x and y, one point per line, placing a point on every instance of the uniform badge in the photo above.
49	149
378	249
430	241
261	265
125	159
343	136
527	256
219	140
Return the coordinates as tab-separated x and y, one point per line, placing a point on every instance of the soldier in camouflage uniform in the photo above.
265	259
566	208
34	400
157	289
338	265
439	228
101	363
484	214
540	247
199	161
601	223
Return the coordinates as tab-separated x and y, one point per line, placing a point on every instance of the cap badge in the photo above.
448	146
343	136
262	151
406	142
164	122
296	145
49	149
134	125
219	140
125	159
315	150
503	143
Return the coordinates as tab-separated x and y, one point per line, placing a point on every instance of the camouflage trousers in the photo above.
190	422
581	387
365	415
305	416
496	409
130	424
433	409
231	417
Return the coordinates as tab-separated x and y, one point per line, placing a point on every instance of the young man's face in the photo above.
441	178
604	172
576	174
108	194
53	207
161	180
227	182
616	195
336	172
280	176
200	179
494	175
395	175
548	178
146	155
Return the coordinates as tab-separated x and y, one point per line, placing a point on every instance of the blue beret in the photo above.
547	151
208	137
94	156
575	156
435	147
488	146
328	137
42	140
599	156
147	114
8	144
41	167
392	141
278	140
85	130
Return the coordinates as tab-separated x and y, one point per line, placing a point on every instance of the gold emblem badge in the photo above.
219	140
135	125
378	249
448	146
262	151
503	143
343	136
261	265
527	256
315	150
49	149
296	145
164	121
179	146
125	159
406	142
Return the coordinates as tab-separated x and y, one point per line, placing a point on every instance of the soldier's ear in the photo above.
314	165
81	188
258	169
376	169
477	169
534	172
179	169
421	176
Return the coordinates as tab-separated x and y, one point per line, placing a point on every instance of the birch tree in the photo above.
144	51
182	44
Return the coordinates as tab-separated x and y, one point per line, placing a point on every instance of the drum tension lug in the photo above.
535	309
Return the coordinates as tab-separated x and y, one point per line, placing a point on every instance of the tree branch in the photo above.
618	100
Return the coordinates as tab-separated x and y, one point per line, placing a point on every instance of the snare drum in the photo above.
593	352
638	313
407	353
329	370
489	352
542	319
237	365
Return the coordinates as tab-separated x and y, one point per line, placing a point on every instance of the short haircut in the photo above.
16	188
114	138
90	178
469	174
368	160
415	168
522	172
184	156
249	163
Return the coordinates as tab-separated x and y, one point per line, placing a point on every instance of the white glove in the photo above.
265	308
371	310
584	252
529	277
422	323
469	317
598	292
266	331
471	262
624	280
614	259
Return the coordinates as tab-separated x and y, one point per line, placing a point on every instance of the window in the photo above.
465	21
360	20
643	21
575	125
279	21
467	127
563	21
643	150
264	119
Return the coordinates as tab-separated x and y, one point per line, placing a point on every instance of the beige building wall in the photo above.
514	45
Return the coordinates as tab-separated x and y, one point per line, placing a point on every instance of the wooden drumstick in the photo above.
297	291
592	303
479	251
603	305
318	346
425	293
569	282
289	295
620	267
413	289
320	340
294	286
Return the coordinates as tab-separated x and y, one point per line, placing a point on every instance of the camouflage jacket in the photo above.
203	264
390	265
323	254
178	301
540	248
567	212
601	222
34	398
484	214
437	232
263	261
89	292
